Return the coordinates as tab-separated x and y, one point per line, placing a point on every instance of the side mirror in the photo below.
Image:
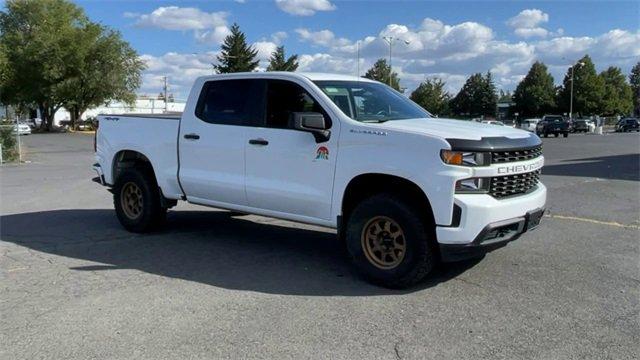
312	122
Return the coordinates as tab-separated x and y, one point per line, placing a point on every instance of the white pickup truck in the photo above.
404	189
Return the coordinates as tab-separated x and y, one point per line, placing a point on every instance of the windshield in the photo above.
371	102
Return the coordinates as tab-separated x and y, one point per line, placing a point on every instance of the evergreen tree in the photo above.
381	71
477	96
634	79
535	94
279	62
588	89
236	55
618	96
432	96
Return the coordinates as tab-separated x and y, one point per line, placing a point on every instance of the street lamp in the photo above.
571	97
389	40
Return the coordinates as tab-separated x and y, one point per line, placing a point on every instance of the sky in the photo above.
445	39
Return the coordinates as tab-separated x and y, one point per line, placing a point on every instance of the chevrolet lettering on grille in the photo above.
516	169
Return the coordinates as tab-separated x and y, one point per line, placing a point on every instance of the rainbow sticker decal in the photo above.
322	153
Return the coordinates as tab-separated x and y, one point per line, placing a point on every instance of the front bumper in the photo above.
487	223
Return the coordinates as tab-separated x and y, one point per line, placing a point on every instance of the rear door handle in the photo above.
192	136
258	142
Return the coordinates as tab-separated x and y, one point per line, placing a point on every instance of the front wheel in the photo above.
136	198
388	243
565	135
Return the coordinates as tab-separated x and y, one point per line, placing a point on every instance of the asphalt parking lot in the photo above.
74	284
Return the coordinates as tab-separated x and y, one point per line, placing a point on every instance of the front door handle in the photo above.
192	136
258	142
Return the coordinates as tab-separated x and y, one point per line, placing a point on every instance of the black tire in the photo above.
151	214
419	255
565	135
546	135
555	134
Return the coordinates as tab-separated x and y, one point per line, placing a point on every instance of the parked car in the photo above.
529	124
493	122
404	190
553	124
22	129
628	124
583	125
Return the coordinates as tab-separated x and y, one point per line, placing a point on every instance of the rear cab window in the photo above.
230	102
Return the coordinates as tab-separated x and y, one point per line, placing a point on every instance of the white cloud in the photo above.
265	49
527	23
279	36
528	18
531	32
304	7
180	69
178	18
209	28
323	38
213	36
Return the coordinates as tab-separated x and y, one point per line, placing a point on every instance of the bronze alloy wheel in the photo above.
383	242
131	199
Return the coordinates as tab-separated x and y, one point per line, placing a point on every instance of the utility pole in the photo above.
573	65
358	58
389	40
165	94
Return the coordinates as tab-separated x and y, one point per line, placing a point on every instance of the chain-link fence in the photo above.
10	143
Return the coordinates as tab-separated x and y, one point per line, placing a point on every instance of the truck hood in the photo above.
455	129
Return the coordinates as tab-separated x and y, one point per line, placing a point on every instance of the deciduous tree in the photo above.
634	79
588	89
432	96
535	94
618	96
477	97
381	71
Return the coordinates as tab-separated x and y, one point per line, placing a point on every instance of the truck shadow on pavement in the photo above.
209	247
616	167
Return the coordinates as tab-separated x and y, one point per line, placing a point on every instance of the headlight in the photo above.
472	185
464	158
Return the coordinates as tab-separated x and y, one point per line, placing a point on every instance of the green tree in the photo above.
477	97
634	80
588	89
236	55
41	50
618	96
505	96
108	70
535	94
279	61
381	71
57	57
432	96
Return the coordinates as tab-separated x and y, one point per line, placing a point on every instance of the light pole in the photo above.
571	97
389	40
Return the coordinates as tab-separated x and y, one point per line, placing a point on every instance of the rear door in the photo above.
212	142
287	171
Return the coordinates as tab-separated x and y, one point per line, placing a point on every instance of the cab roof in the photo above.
286	74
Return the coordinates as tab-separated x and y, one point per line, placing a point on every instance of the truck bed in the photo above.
152	135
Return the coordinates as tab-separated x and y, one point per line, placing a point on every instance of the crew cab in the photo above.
404	189
553	124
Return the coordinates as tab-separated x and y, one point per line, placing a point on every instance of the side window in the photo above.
228	102
283	99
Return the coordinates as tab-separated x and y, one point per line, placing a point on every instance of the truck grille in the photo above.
503	186
498	157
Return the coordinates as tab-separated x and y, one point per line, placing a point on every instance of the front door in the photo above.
287	171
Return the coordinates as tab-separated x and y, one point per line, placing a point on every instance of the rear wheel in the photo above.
565	135
555	134
389	244
546	135
136	198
